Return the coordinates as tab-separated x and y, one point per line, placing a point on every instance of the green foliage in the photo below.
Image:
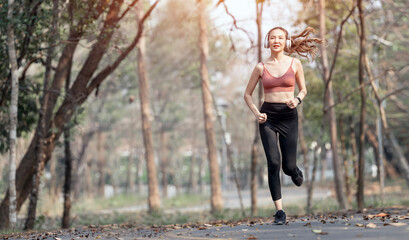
27	115
30	21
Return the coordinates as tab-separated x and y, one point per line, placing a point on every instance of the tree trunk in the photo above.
361	149
81	175
192	174
202	171
346	164
89	186
2	164
310	186
323	167
330	113
42	124
65	222
101	164
399	157
53	181
353	148
164	161
255	146
216	193
139	171
373	140
153	199
130	181
130	186
12	211
303	144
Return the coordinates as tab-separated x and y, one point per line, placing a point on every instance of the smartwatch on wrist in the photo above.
299	100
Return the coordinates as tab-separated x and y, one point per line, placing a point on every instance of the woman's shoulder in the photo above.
259	66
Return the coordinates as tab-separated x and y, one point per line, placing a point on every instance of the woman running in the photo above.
278	118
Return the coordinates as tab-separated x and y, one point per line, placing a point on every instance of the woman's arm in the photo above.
299	76
255	76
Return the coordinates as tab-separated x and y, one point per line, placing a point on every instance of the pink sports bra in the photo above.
285	83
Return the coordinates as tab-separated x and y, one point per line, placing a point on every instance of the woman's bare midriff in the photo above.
278	97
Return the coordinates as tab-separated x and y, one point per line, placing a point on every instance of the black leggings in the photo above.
283	120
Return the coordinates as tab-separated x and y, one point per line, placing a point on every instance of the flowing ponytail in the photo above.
301	44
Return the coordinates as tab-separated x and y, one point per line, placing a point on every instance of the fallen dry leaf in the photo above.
398	224
202	228
359	225
370	225
319	231
252	237
382	215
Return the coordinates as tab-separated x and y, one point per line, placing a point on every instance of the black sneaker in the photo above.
298	177
280	217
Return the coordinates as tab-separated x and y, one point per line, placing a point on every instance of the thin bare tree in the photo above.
65	221
153	198
12	213
330	114
256	140
216	193
362	125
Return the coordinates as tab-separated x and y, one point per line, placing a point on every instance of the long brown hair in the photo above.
304	46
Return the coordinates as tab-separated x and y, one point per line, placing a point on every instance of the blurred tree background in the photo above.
105	123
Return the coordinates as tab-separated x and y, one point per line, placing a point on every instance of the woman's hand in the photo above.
292	103
262	118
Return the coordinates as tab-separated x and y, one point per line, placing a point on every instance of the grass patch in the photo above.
185	200
117	201
10	231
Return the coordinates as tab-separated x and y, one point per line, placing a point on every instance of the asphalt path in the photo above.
334	228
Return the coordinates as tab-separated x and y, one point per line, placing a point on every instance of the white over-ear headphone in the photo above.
288	42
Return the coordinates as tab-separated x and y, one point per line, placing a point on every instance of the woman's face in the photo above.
276	40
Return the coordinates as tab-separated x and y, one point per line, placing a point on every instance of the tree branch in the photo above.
127	9
346	96
337	46
235	22
109	69
394	92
